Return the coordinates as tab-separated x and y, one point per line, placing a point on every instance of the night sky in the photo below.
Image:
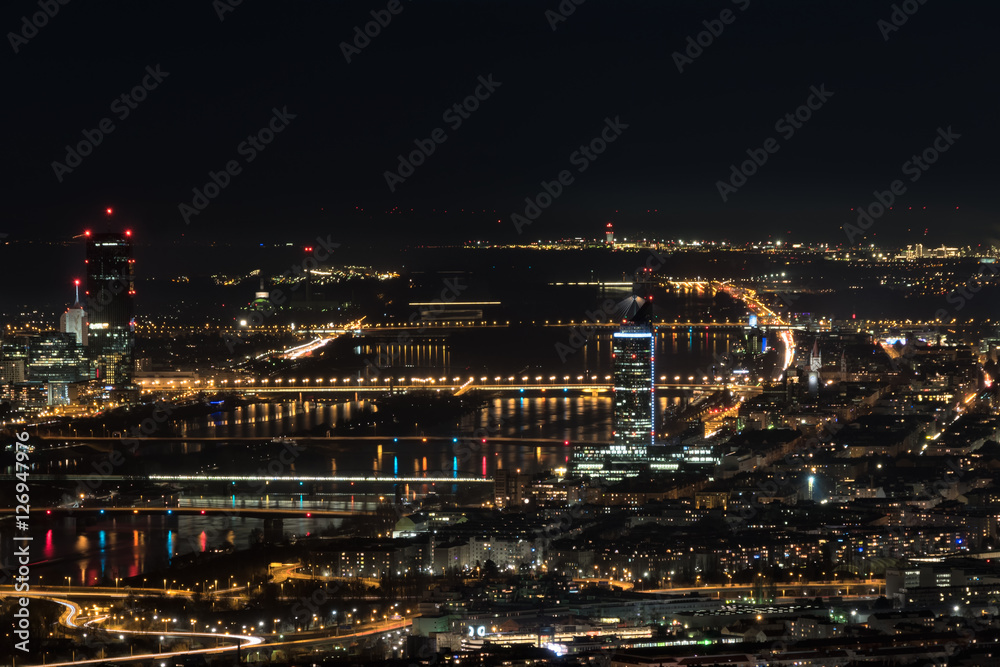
324	173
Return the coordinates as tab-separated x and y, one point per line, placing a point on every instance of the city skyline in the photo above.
487	333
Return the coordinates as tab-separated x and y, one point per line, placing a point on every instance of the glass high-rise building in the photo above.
111	310
632	350
55	357
55	360
633	371
74	320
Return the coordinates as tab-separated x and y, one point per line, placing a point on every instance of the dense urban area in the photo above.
707	457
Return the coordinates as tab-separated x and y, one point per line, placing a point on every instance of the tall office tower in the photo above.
632	350
609	235
111	310
74	320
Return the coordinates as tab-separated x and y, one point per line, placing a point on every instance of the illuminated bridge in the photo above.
347	479
351	385
311	440
172	511
319	478
439	325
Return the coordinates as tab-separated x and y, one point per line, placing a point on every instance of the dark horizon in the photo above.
210	83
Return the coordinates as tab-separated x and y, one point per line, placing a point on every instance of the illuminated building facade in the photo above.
74	320
56	361
633	352
14	355
111	310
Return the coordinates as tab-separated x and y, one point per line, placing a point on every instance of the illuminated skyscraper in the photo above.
633	421
74	320
632	349
111	310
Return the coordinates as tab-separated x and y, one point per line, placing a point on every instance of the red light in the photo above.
128	232
565	442
76	282
87	233
48	511
203	511
309	249
484	439
108	210
308	514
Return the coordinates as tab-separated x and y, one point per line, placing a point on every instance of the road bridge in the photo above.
268	479
258	512
355	385
297	441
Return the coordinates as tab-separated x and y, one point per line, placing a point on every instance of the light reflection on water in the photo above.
127	547
555	415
